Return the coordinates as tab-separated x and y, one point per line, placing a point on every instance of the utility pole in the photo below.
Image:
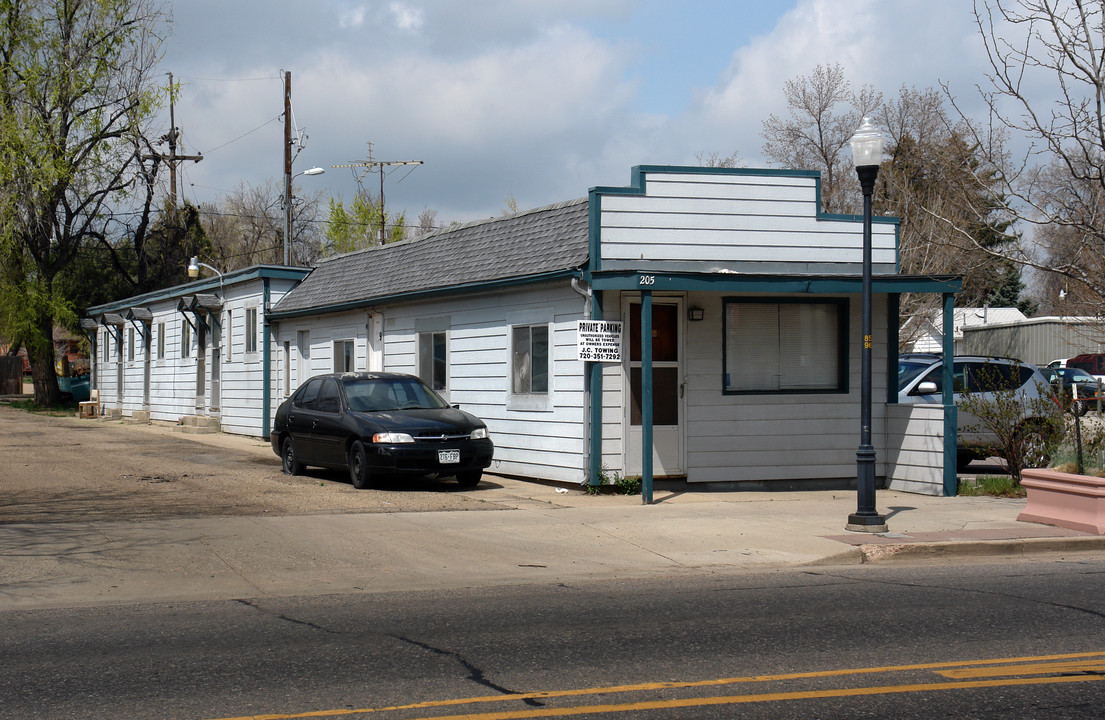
379	166
172	158
288	167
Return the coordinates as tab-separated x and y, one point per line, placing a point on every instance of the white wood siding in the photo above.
915	447
733	218
546	442
173	377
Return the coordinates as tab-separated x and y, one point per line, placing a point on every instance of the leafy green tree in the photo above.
358	226
77	86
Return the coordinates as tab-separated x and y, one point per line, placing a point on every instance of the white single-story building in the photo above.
201	349
750	294
929	329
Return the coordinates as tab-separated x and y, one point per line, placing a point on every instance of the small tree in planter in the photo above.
1022	429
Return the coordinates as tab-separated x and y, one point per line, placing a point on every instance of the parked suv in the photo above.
921	380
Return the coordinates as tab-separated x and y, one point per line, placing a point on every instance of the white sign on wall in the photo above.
599	340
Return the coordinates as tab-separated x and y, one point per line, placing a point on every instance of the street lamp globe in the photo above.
867	145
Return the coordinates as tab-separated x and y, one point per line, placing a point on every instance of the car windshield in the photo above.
1070	375
909	369
388	394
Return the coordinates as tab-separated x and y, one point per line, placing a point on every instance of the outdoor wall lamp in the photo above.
694	314
866	155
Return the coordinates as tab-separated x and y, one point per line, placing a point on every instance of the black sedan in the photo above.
377	425
1070	383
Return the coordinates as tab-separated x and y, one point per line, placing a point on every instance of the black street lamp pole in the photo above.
866	153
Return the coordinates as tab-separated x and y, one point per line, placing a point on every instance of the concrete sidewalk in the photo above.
532	534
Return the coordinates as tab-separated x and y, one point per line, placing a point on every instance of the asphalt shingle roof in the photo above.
530	243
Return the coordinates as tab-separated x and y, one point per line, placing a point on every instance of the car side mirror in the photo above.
926	388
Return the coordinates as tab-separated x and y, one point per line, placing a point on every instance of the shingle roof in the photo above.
528	244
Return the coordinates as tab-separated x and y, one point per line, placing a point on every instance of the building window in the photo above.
785	347
106	344
251	330
130	344
185	339
228	324
433	354
343	356
530	360
161	341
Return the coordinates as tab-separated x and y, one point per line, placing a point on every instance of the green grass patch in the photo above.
62	410
993	486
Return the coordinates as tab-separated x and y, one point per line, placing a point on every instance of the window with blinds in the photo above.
789	346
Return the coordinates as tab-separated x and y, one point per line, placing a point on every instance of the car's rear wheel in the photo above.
292	466
470	478
358	466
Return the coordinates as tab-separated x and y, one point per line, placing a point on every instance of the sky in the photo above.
535	100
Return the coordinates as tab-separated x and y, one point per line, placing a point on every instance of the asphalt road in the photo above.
1013	640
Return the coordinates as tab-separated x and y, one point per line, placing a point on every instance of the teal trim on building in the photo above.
734	282
205	285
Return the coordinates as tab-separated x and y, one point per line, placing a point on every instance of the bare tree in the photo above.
1046	89
247	227
824	114
717	160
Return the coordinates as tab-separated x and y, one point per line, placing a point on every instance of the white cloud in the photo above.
352	18
406	18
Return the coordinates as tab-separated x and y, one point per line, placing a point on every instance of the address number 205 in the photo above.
647	280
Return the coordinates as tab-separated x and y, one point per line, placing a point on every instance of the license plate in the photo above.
448	457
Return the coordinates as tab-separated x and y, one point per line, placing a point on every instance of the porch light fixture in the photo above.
867	144
694	314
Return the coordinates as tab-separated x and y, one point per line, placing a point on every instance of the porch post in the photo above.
951	413
266	359
646	396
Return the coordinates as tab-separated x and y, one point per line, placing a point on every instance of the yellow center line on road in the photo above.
1036	669
763	697
1090	662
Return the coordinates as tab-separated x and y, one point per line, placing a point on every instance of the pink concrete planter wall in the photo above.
1064	499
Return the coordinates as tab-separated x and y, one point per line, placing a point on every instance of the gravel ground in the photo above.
61	469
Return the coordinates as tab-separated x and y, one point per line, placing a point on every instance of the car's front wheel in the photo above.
358	466
292	466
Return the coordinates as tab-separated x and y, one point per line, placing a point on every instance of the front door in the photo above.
667	388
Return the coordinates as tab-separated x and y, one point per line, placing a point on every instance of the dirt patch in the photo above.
61	469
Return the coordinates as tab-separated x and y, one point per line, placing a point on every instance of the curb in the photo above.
878	554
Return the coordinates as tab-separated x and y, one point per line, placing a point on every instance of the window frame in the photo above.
842	309
185	338
430	336
130	344
348	353
251	329
529	392
161	341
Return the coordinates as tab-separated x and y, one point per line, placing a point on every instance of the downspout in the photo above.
592	477
266	363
